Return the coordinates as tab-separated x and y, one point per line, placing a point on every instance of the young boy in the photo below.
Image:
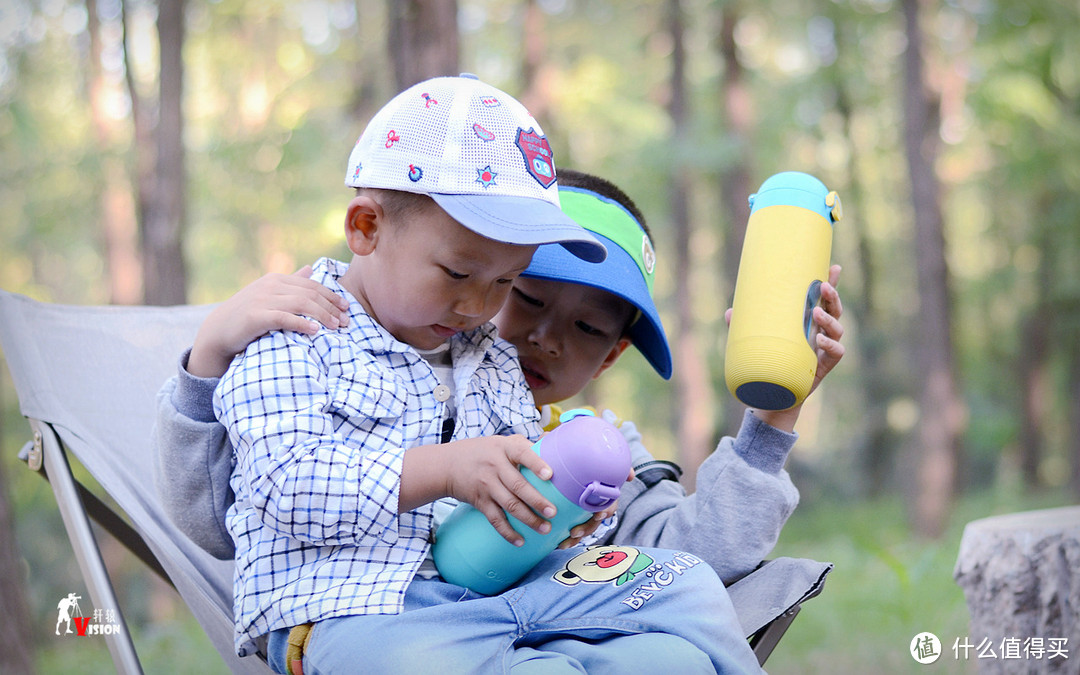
341	439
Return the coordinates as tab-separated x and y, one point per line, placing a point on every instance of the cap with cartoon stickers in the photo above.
479	154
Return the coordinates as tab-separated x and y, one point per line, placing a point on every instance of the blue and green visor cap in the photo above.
628	272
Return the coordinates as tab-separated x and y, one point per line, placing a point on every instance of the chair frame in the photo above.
765	640
76	503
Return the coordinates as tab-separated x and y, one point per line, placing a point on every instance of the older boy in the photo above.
341	439
570	322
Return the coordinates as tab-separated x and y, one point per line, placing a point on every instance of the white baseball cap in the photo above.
479	154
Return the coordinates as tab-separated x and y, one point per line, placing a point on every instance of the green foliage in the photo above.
276	93
886	587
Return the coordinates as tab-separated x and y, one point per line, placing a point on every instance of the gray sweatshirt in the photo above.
732	520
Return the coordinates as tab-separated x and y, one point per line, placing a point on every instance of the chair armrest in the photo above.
774	588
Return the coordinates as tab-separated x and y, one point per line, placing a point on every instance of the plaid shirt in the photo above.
320	426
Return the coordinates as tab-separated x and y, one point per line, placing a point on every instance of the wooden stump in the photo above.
1021	578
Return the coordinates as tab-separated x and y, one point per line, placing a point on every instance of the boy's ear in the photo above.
612	356
362	222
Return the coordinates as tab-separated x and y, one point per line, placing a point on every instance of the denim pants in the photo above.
614	609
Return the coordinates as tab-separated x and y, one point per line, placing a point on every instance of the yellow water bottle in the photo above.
770	361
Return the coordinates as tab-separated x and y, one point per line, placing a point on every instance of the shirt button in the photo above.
442	392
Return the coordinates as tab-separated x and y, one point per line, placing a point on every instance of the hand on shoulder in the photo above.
272	302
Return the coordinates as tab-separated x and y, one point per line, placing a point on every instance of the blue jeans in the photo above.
597	610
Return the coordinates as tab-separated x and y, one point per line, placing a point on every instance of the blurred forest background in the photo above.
173	151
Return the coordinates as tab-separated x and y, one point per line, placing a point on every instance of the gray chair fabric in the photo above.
92	375
774	588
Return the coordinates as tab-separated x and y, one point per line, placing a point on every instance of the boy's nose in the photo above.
545	340
471	305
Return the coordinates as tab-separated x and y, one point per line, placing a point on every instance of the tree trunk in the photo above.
1034	376
16	629
1035	391
164	271
735	181
1073	430
423	40
938	438
693	396
145	151
534	95
119	230
877	452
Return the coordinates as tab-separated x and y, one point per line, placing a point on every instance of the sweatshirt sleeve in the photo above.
732	520
193	461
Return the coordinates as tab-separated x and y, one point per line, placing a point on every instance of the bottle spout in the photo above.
597	494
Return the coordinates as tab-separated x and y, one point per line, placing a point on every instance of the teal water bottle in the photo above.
590	461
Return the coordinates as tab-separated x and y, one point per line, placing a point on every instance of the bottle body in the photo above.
770	360
589	459
469	552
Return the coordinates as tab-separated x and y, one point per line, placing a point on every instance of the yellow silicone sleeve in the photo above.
786	249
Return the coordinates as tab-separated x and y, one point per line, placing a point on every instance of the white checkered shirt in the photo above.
320	426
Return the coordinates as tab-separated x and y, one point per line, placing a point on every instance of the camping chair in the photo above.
87	378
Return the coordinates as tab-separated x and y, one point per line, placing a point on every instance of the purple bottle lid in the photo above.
589	459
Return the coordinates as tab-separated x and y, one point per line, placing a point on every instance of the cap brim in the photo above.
522	220
620	275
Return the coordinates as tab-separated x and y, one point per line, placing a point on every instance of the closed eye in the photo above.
588	329
527	299
455	275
